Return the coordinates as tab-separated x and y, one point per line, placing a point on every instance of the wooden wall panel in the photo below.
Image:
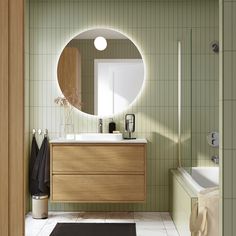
12	117
16	117
4	117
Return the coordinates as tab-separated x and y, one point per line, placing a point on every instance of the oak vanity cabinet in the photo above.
98	172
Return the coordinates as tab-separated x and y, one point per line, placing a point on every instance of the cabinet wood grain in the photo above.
98	172
98	188
98	158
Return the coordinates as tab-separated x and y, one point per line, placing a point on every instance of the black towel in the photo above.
33	183
44	168
41	169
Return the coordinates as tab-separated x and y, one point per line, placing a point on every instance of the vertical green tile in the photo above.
155	26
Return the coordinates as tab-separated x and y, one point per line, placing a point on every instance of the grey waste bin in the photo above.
40	206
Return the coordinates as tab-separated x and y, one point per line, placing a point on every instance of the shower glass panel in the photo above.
205	95
185	100
198	109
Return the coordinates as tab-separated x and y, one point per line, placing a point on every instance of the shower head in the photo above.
214	46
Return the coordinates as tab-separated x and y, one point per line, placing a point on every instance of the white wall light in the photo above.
100	43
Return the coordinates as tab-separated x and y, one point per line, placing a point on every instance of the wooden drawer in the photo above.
98	188
98	158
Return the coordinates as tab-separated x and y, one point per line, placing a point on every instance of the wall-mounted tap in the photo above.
215	159
100	126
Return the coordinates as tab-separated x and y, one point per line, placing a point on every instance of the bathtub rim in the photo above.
197	187
187	186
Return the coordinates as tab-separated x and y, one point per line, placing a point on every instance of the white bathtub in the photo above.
185	189
202	177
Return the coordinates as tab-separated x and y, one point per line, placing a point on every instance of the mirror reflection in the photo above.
100	72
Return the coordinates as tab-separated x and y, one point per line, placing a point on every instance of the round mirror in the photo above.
100	72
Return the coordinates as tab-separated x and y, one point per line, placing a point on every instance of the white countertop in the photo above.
123	141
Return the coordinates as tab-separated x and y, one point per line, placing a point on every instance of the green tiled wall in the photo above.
155	26
228	115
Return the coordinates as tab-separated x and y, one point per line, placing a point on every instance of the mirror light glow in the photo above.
119	96
100	43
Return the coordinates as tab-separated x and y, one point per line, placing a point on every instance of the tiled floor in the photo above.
147	223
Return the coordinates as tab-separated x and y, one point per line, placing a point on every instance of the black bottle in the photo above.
112	126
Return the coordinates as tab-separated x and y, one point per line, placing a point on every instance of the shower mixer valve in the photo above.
213	139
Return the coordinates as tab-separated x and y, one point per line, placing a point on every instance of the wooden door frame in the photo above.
12	117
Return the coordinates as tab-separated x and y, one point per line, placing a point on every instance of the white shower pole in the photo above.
179	103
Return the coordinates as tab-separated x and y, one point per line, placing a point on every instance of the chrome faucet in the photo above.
100	124
215	159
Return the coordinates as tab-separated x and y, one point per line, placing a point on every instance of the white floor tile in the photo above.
63	216
147	223
33	226
167	220
149	232
150	225
147	216
172	232
119	217
47	229
92	217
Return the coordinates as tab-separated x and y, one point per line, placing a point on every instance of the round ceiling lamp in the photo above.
100	43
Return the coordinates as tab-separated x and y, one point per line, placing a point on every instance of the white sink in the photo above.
98	137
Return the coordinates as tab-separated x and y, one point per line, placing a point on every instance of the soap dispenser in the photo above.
112	126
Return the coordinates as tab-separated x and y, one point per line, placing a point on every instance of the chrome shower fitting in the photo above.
215	159
215	46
